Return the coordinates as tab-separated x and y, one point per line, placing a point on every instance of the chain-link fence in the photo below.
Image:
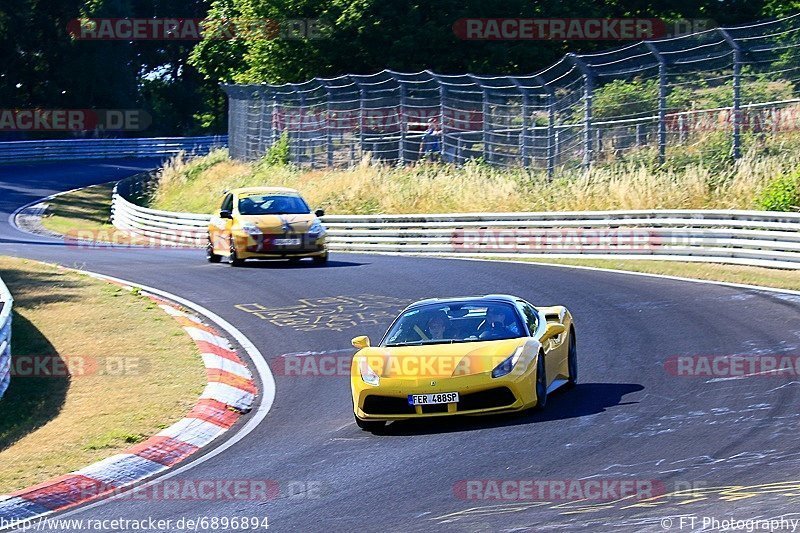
723	89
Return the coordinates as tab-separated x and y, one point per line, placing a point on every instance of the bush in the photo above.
781	194
278	153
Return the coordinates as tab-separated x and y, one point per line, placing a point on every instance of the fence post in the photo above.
441	118
551	123
662	102
328	129
301	145
737	93
362	95
588	93
525	127
401	149
261	114
526	124
275	118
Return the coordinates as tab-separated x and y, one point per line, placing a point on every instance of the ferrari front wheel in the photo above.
572	360
541	382
370	425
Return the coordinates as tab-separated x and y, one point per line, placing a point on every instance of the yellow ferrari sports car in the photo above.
265	223
463	356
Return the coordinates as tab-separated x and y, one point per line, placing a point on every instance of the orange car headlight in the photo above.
251	229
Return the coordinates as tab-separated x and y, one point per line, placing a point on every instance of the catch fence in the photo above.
723	89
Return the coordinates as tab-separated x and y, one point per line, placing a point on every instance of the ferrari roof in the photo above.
488	298
264	190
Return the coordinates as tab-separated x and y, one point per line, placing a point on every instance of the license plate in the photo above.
431	399
286	242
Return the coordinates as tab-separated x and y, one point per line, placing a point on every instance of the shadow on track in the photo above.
279	264
583	400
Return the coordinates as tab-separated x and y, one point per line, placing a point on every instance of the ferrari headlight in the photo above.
508	365
316	228
367	374
251	229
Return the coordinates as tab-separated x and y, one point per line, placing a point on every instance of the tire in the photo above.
372	426
233	259
572	360
541	382
321	259
211	257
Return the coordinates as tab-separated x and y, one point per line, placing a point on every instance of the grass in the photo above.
53	425
85	213
765	277
196	185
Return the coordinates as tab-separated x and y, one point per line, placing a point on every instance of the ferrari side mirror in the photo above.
360	342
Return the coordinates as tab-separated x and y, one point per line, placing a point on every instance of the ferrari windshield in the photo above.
273	204
442	323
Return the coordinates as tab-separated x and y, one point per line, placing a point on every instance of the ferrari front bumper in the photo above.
478	394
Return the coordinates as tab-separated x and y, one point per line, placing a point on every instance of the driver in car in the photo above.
437	326
496	325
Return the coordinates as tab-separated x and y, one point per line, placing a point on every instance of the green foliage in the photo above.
639	98
781	194
278	153
366	36
44	67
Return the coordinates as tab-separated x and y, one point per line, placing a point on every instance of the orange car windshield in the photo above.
273	204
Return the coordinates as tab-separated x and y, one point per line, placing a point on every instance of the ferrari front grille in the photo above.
387	405
497	397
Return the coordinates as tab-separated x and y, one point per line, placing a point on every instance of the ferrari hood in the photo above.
438	360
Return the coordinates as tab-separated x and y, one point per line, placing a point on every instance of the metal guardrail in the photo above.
756	238
6	301
52	150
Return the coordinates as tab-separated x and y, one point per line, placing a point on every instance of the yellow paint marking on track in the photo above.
335	313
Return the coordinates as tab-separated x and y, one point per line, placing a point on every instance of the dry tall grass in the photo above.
196	186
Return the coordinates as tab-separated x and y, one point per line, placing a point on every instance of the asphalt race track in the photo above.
734	441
